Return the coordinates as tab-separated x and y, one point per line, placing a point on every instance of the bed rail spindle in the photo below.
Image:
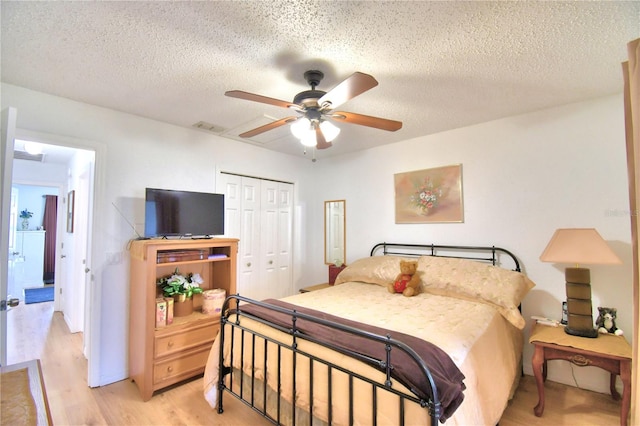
350	400
330	393
241	364
374	407
253	368
402	412
233	335
279	382
310	391
264	388
293	386
294	347
220	375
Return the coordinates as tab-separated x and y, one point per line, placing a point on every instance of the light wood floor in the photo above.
35	331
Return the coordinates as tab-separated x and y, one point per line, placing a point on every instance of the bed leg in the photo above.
220	393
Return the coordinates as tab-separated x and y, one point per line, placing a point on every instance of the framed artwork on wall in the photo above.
71	199
429	195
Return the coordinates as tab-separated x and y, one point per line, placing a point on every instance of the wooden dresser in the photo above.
162	356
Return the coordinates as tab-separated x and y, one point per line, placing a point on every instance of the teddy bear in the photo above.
407	282
606	322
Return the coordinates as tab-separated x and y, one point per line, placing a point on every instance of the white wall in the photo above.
523	177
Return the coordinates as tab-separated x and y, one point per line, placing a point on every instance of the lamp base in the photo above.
589	332
580	321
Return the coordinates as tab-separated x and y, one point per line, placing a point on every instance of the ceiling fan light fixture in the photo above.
301	127
315	107
309	139
329	130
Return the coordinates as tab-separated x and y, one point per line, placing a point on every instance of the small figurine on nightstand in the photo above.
606	322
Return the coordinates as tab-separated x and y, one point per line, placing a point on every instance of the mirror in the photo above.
334	232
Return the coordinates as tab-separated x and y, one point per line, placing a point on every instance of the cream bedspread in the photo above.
480	341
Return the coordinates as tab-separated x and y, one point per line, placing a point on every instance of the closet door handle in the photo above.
248	264
271	262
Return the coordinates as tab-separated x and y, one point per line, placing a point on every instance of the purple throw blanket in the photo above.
446	375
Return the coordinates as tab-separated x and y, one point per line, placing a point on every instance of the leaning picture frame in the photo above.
71	200
430	195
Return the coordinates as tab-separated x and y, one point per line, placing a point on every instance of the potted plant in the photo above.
25	215
181	288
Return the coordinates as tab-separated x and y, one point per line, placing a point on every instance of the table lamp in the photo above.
579	246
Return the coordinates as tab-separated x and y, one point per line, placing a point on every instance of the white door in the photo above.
269	285
81	213
276	242
78	270
7	138
231	187
249	246
85	222
285	238
69	260
14	254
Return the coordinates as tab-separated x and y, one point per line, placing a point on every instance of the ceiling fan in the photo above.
315	110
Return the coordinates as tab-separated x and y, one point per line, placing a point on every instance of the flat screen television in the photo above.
183	213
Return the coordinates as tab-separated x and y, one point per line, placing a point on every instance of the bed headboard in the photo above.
491	254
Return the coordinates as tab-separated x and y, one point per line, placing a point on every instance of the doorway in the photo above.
69	170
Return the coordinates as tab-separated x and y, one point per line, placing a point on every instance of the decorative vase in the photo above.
25	224
182	306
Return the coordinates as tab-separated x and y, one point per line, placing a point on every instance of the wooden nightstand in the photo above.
315	287
609	352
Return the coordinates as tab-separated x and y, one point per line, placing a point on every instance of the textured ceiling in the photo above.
440	65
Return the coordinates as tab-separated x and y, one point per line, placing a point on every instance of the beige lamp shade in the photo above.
579	246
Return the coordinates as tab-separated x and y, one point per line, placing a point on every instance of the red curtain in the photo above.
50	222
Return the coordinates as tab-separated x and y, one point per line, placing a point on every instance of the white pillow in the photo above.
381	270
474	280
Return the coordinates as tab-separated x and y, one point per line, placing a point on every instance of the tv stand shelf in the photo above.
162	356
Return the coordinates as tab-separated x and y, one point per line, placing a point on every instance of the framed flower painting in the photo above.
430	195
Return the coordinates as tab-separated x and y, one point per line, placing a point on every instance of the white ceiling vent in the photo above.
208	127
24	155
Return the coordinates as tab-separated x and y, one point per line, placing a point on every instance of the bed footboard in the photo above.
278	376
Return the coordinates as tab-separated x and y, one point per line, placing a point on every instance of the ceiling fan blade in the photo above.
321	142
367	120
267	127
354	85
259	98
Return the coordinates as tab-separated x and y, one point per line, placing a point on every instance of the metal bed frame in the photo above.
227	327
473	252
